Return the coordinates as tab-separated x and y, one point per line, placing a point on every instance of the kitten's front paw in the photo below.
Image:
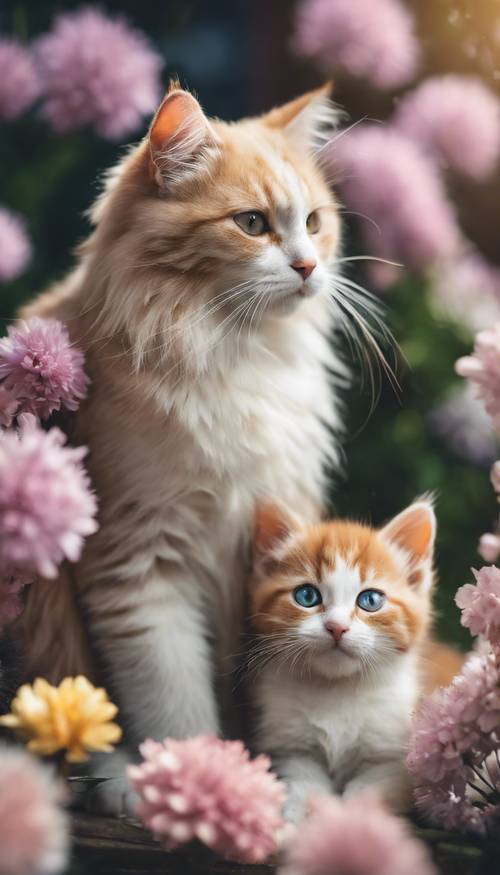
114	796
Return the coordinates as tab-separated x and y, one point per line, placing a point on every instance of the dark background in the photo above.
237	56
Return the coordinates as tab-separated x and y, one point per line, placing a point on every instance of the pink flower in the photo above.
354	836
208	789
33	826
15	247
467	289
96	70
19	85
455	118
41	368
46	505
483	369
480	604
489	547
384	176
371	39
454	733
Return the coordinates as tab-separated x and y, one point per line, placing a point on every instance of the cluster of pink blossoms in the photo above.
33	824
482	369
47	507
354	836
369	38
208	789
90	69
390	176
454	755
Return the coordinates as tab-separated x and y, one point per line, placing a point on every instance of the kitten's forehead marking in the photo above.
344	579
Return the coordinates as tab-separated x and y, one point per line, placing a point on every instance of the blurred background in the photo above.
415	167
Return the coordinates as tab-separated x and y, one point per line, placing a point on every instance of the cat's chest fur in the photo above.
345	724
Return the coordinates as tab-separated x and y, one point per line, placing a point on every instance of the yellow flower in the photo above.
75	716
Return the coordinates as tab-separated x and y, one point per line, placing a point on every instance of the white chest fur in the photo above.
346	725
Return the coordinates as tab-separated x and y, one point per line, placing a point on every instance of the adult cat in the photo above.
202	300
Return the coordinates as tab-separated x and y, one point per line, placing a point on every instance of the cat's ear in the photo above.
308	121
182	142
414	531
272	527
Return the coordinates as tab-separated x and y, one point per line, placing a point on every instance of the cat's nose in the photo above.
336	630
304	266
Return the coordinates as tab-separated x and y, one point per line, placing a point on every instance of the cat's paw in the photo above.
114	795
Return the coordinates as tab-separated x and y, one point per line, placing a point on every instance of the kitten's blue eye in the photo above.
307	596
252	223
370	600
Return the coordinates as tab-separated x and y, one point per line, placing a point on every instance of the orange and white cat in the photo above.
203	303
342	614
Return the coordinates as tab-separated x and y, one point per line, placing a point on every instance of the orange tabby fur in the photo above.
409	619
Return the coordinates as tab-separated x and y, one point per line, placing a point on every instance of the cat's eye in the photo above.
370	600
252	223
307	596
313	222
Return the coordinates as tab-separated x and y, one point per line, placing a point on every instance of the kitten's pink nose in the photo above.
304	266
336	630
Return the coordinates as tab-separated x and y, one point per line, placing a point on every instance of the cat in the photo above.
203	301
341	614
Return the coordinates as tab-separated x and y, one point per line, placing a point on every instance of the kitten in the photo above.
203	303
342	613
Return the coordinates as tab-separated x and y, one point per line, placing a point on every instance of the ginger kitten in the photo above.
203	302
342	612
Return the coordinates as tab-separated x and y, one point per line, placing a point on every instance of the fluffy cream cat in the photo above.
203	302
342	614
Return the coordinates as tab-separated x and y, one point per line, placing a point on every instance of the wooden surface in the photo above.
115	847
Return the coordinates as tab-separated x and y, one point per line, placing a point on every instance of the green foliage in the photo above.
394	456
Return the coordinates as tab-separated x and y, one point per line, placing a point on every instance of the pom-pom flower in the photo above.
96	70
373	40
75	717
455	118
483	369
480	604
19	85
354	836
33	826
208	789
489	547
41	368
15	247
454	732
46	505
384	176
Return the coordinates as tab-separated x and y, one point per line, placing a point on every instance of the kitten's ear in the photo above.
182	141
414	532
309	120
272	527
